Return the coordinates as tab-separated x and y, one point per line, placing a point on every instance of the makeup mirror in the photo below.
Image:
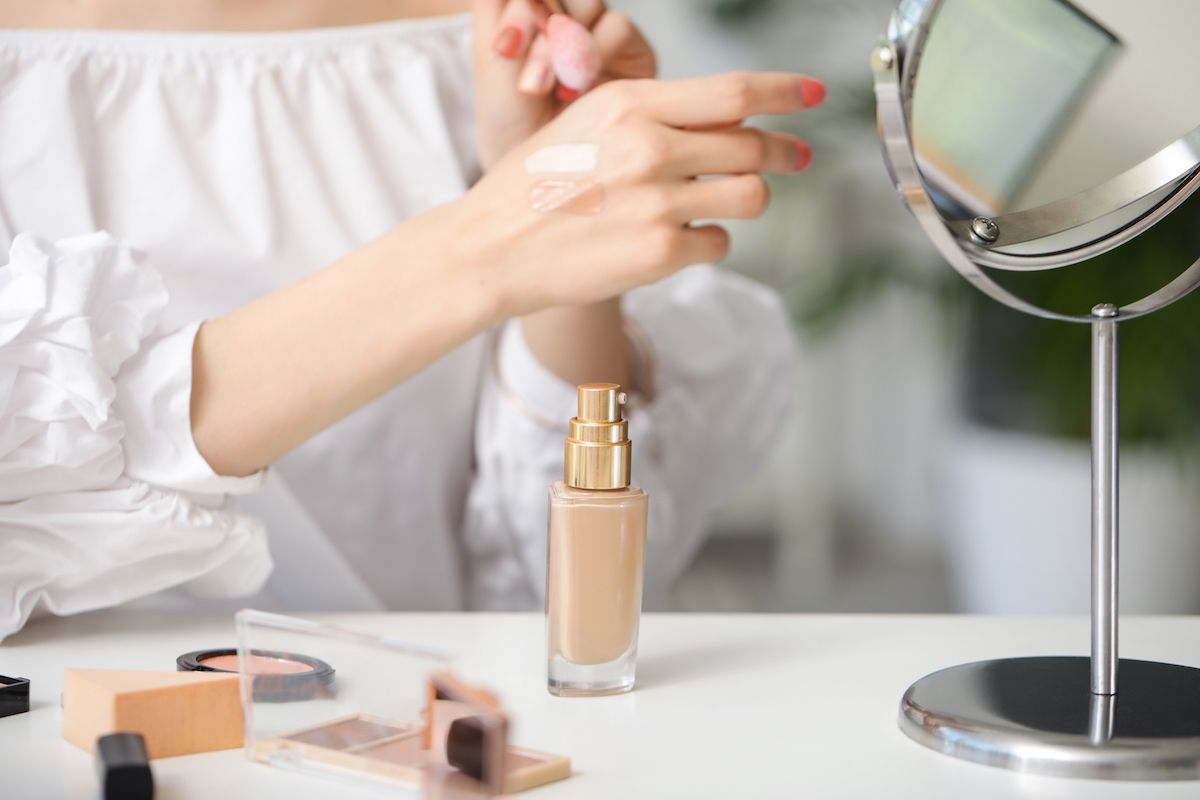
1036	128
1034	135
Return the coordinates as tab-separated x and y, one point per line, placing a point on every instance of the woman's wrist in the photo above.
462	259
582	344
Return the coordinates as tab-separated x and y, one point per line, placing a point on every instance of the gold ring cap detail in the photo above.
598	452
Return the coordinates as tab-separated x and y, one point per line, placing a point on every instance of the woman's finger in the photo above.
537	76
514	30
702	244
720	98
736	197
731	151
487	9
717	126
586	12
624	51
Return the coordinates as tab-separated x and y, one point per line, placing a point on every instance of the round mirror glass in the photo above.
1047	116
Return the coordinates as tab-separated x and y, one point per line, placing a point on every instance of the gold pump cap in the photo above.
598	447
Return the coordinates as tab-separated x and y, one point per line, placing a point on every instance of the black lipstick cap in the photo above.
123	768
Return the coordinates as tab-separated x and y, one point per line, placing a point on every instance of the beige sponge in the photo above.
177	712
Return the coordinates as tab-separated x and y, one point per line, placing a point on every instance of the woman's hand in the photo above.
514	82
346	334
653	139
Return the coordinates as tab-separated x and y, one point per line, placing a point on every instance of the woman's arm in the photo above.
275	372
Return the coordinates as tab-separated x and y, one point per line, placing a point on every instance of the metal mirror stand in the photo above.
1054	715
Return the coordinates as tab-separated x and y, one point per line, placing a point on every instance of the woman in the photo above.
236	249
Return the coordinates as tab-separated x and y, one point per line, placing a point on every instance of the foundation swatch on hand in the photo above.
566	179
584	196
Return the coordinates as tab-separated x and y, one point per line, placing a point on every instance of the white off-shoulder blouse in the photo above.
150	181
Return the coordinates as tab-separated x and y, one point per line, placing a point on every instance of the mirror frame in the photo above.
1149	191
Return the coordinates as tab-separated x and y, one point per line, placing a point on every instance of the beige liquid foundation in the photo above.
596	553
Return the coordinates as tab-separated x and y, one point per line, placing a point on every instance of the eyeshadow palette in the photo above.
399	751
392	712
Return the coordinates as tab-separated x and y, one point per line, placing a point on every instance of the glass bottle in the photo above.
596	553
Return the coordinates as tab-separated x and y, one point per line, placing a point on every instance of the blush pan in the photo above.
259	665
279	677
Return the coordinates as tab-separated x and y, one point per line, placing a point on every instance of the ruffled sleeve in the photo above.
716	351
103	495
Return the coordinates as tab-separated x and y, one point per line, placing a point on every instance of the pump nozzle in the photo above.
598	448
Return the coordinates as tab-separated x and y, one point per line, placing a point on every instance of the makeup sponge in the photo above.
177	712
573	52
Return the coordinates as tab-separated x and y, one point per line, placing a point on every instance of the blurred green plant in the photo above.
820	307
1047	363
1033	375
739	11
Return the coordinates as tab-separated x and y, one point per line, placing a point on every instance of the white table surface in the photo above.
727	706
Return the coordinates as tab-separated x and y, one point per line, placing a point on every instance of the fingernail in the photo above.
507	41
566	93
533	77
812	92
803	156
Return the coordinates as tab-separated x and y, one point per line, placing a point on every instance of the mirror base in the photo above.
1037	715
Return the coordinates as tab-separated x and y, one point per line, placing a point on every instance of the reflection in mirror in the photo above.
1020	103
1068	129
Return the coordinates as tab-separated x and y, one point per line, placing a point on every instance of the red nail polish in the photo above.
812	92
507	41
803	156
566	93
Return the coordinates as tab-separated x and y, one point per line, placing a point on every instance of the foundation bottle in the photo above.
596	553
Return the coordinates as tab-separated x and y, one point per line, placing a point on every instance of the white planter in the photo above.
1017	514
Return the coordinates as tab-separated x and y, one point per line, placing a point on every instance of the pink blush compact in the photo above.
279	677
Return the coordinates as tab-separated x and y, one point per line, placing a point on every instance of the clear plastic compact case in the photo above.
374	707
